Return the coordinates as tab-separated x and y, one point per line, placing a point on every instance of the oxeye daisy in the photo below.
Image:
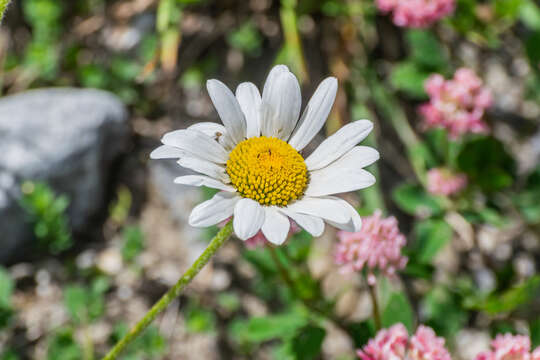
256	158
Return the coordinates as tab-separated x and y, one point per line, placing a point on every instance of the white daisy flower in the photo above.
256	159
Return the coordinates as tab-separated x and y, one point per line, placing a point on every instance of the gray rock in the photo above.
65	137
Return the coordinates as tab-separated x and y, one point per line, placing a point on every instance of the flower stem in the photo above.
376	312
222	236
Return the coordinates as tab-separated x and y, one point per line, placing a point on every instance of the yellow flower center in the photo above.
267	170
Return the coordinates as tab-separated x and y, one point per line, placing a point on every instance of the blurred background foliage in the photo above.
156	56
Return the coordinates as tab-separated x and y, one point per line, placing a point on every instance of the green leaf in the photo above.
306	344
408	78
426	50
413	200
535	332
529	13
63	346
246	38
6	288
259	329
487	164
511	299
443	312
133	242
9	355
75	300
532	49
432	235
398	310
200	320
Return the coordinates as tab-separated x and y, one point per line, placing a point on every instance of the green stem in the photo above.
3	7
222	236
376	311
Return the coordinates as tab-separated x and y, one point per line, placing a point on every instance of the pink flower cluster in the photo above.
457	105
441	181
416	13
510	347
394	344
377	246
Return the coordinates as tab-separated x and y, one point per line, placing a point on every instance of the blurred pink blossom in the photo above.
394	344
376	246
425	345
416	13
457	105
388	344
510	347
441	181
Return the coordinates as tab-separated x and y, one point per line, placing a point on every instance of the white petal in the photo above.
312	224
228	109
249	98
213	211
315	114
213	130
354	224
201	180
272	76
276	226
248	218
197	143
338	144
204	167
326	208
280	107
166	152
333	180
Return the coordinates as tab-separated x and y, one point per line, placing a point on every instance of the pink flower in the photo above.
416	13
510	347
441	181
394	344
457	105
377	246
259	239
536	354
425	345
389	344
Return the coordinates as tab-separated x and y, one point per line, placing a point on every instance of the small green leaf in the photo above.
535	332
306	344
75	300
398	310
64	346
259	329
487	164
6	287
432	235
529	13
414	200
133	242
510	299
426	51
408	78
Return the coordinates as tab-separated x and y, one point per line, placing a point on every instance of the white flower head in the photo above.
255	159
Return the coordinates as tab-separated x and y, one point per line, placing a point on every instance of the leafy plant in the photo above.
47	213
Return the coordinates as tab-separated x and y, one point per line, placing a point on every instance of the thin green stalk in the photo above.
222	236
376	311
3	7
